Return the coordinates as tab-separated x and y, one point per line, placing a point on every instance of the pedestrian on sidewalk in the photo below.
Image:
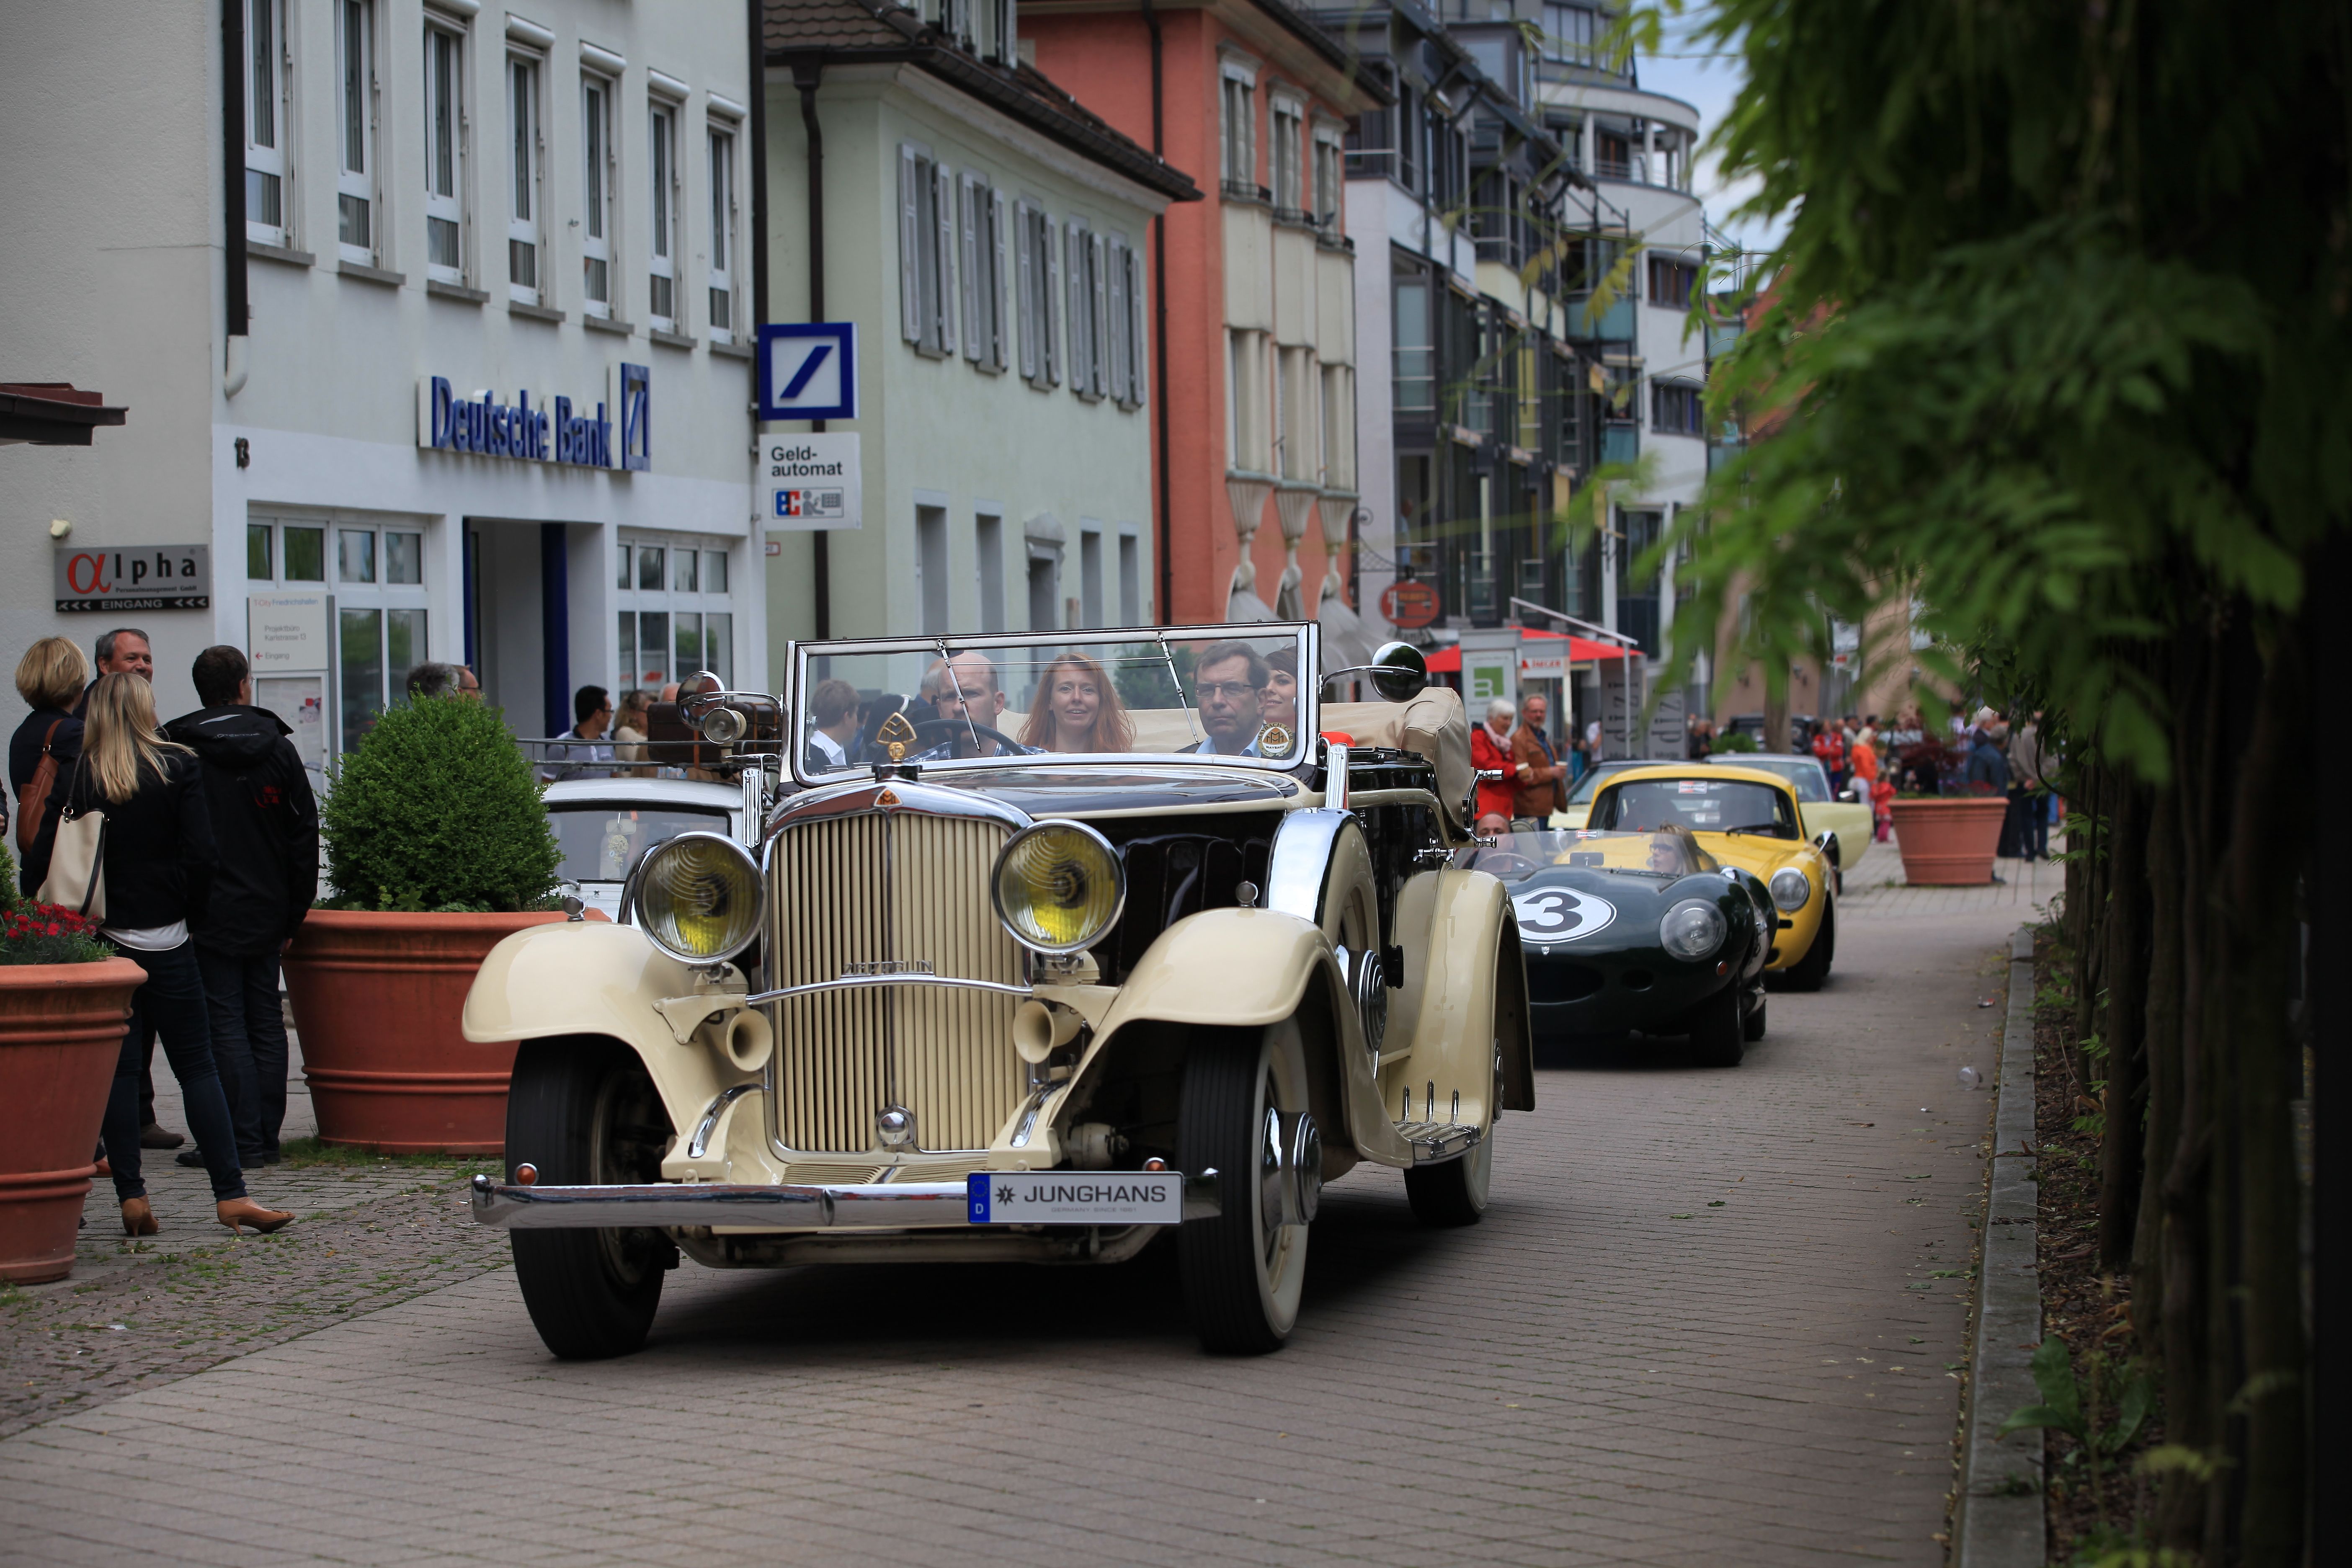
42	753
1490	752
1542	789
158	862
2025	831
266	829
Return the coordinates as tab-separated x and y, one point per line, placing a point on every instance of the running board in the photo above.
1434	1142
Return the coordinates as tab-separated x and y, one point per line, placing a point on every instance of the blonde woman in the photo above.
159	862
49	678
630	728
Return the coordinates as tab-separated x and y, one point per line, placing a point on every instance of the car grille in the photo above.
844	1056
1552	981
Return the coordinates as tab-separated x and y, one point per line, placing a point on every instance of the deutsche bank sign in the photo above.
539	432
808	370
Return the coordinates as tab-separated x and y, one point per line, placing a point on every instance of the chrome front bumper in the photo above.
906	1205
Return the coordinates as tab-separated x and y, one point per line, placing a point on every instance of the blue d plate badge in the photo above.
1076	1197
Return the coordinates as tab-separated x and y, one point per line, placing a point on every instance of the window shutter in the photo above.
1137	329
910	246
1025	222
1080	308
1115	252
1097	304
1051	238
943	205
1002	214
974	323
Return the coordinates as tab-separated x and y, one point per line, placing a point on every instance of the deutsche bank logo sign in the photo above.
809	371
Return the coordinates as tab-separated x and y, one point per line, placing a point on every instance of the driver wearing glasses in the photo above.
1229	684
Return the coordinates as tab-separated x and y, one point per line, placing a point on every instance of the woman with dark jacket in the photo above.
49	678
158	865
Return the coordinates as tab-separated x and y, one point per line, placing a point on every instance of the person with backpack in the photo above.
151	869
266	828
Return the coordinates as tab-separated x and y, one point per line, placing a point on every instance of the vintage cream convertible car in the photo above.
1039	948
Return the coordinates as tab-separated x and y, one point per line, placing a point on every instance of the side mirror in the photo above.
1827	843
1399	672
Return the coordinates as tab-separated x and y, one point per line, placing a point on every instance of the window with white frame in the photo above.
377	572
981	243
355	124
1330	153
1289	154
445	154
663	213
1038	266
1238	130
926	247
1338	457
600	180
675	614
267	117
722	229
1084	267
526	208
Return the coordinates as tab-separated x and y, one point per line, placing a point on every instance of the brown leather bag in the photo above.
34	801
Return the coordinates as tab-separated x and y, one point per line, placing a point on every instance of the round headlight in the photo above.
1692	929
698	897
1058	886
1790	888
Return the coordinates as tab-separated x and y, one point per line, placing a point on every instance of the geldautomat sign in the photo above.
542	430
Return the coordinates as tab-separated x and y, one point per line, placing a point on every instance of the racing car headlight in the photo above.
1692	929
697	896
1058	886
1790	888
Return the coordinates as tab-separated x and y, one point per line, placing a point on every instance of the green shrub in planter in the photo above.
438	811
1737	740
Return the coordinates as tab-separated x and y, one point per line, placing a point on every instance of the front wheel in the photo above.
1243	1270
1809	971
585	1112
1717	1035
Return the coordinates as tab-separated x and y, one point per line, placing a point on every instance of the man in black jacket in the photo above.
266	824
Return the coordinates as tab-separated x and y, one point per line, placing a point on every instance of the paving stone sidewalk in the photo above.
1712	1318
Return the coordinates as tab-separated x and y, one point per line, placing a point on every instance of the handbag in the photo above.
76	879
31	803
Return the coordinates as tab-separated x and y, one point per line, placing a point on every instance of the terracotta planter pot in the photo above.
1949	843
60	1035
376	1000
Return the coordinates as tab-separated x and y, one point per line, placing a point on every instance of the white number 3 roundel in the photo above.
1561	914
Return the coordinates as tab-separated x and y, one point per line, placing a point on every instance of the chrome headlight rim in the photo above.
1786	902
1118	887
635	896
1717	928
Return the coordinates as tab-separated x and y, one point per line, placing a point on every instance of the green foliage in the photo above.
2056	342
2082	1412
1143	680
1737	740
438	811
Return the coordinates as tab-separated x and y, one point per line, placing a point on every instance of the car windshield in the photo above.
600	840
1701	804
1804	773
1593	780
1231	693
1516	856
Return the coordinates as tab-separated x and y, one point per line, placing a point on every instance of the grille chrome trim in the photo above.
852	883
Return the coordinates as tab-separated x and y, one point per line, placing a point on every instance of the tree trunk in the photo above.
2122	1025
2160	1059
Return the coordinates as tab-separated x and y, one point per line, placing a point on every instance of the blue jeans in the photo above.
248	1033
173	1000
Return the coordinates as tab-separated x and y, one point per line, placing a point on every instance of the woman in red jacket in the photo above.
1490	750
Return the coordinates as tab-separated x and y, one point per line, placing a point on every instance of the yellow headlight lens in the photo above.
698	897
1059	886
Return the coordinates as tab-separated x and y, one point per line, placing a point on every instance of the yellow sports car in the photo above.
1749	818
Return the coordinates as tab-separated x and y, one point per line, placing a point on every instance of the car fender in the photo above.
589	977
1466	986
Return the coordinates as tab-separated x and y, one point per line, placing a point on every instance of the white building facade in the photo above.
433	325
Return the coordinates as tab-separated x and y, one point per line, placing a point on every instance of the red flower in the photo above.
53	928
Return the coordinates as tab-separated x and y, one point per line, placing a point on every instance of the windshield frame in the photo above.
1783	793
1305	636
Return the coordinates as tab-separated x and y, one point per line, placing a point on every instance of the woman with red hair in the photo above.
1077	709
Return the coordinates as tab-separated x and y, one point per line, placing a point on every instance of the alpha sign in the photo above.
576	436
150	577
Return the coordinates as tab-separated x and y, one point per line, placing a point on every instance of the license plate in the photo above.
1076	1197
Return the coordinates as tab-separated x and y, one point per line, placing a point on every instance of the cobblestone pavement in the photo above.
1710	1319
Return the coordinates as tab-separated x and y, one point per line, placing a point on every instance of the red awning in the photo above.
1581	650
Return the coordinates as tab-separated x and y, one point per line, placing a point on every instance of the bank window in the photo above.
444	155
722	231
600	177
525	211
674	617
267	94
667	189
355	122
379	616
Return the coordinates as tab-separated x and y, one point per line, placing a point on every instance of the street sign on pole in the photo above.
811	483
808	370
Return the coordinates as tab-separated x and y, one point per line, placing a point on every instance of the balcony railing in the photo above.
1615	324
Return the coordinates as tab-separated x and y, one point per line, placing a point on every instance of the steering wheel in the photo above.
932	731
1506	864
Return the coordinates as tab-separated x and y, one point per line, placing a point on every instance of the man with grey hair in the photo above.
434	678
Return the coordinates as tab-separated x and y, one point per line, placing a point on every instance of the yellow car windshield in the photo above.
1699	806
